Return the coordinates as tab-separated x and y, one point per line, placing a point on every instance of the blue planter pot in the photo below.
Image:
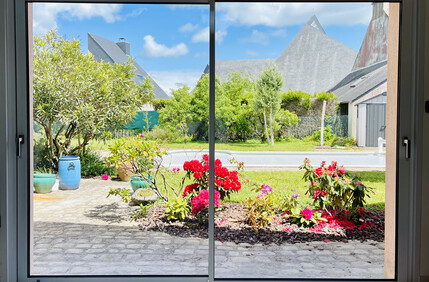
69	172
138	182
43	182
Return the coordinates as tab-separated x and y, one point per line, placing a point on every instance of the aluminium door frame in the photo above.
14	200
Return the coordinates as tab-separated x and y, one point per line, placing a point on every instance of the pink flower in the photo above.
142	135
175	169
306	160
307	214
105	177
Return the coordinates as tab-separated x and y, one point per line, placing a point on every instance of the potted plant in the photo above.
119	158
43	181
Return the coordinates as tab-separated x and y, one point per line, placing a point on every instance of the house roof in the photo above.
313	61
360	82
108	51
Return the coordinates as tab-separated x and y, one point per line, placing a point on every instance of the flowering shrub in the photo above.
201	201
334	188
225	181
305	217
177	209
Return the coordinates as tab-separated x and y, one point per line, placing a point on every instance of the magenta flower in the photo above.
176	169
105	177
142	135
307	213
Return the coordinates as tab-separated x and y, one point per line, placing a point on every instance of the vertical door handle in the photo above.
406	143
20	142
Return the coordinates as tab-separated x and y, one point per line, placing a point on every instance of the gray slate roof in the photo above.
109	51
313	61
360	82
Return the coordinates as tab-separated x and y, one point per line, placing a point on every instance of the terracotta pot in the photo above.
125	172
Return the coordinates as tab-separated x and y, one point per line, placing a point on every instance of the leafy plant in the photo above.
300	97
141	212
91	164
177	209
333	188
328	135
343	141
305	217
324	96
260	211
124	193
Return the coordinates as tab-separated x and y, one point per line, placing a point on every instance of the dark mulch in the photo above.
231	226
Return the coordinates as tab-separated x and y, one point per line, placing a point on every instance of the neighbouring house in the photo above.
313	61
119	52
363	92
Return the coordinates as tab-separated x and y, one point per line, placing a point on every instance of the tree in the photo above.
76	96
177	111
234	106
268	97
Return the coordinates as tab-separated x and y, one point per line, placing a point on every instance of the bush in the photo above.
328	135
333	188
306	217
225	181
299	97
343	141
177	209
92	165
41	155
162	134
323	96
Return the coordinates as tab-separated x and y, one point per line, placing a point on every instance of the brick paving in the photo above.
82	233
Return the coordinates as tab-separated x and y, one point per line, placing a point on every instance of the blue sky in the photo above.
171	41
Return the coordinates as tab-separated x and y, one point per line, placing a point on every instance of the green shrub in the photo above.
177	209
92	165
323	96
343	141
124	193
141	212
162	134
159	104
41	155
300	97
331	187
328	135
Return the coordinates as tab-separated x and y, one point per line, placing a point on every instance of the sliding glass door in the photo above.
213	140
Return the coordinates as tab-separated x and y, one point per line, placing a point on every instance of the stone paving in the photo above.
82	233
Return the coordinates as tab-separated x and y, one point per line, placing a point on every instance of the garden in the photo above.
80	105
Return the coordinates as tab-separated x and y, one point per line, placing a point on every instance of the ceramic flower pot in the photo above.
125	172
43	182
138	182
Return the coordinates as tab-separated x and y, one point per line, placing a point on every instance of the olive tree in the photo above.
77	97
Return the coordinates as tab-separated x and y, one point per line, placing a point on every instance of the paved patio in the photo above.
82	233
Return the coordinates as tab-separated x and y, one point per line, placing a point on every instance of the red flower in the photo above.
189	189
306	160
200	201
307	213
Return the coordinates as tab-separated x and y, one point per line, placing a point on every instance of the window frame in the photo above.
15	201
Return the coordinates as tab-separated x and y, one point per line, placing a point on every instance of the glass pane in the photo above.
302	104
118	100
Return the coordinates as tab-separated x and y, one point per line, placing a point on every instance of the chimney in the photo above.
125	46
377	10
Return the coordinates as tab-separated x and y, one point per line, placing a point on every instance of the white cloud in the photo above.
203	35
188	27
257	37
278	33
170	80
152	49
286	14
45	15
252	53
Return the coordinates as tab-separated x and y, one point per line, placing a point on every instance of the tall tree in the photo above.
268	98
76	96
177	113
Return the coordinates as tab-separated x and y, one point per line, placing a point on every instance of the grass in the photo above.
250	145
291	182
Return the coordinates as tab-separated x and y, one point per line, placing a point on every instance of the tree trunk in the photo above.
271	126
266	127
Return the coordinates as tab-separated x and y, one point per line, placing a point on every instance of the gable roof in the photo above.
313	61
360	82
108	51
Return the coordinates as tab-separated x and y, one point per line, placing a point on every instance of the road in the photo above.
282	160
